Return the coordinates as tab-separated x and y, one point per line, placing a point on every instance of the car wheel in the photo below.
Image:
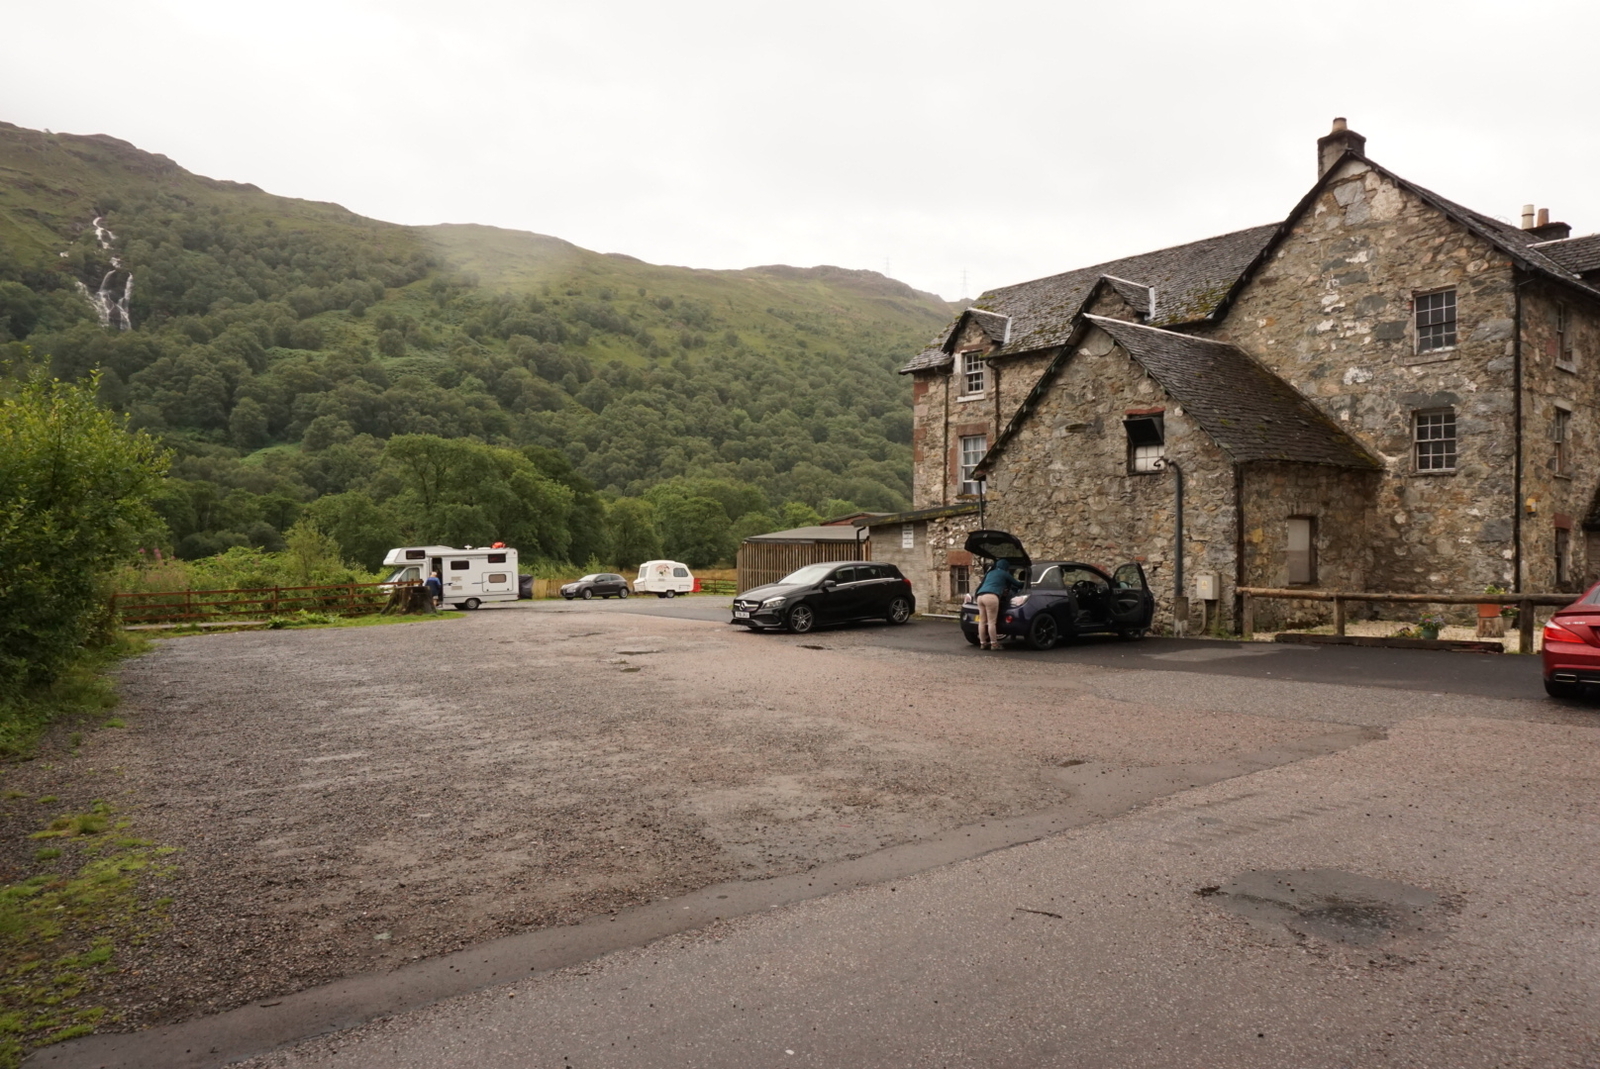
587	595
622	593
1044	633
1561	690
470	604
899	610
660	595
1129	634
801	619
568	597
970	637
671	594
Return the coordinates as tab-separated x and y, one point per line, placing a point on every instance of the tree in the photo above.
695	530
247	426
364	529
75	493
631	531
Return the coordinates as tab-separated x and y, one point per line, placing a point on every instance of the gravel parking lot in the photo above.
352	800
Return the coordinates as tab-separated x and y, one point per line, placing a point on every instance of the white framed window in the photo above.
1434	439
1564	356
973	446
974	374
1436	320
1147	443
960	580
1302	550
1561	437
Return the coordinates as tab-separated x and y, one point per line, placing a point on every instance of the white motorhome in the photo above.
470	576
664	579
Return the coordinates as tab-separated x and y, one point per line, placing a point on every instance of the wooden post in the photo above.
1248	618
1338	616
1525	625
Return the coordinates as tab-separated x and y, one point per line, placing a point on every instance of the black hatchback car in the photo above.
596	585
829	593
1061	599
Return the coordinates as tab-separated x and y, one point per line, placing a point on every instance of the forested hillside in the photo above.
454	383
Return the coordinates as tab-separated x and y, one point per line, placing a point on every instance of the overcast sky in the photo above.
993	142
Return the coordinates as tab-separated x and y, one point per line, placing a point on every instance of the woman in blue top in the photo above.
997	587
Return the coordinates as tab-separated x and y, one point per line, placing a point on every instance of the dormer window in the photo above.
974	374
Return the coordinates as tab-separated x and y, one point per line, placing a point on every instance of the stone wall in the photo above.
1064	488
1339	502
1558	498
935	545
1332	313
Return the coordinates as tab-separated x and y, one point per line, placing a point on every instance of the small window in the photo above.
497	577
1435	436
974	374
1302	550
973	447
1146	443
1560	436
416	554
680	573
1563	556
1436	320
960	580
460	565
1564	357
1046	577
497	558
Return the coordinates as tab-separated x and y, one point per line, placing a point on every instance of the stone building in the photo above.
1384	391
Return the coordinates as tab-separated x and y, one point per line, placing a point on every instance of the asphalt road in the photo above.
1428	671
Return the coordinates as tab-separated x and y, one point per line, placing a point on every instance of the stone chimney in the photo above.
1340	140
1543	229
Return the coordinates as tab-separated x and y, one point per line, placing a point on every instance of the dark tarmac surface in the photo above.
1430	671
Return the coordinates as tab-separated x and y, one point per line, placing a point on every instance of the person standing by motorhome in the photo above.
435	587
997	587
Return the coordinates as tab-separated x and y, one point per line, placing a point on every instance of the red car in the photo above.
1572	646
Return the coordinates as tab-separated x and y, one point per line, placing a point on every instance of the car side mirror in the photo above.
828	584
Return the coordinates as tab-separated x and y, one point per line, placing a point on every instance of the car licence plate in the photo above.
741	616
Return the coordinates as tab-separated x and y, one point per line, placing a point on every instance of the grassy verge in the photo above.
302	620
63	923
82	691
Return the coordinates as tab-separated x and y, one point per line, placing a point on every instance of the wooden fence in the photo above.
761	563
1525	604
176	606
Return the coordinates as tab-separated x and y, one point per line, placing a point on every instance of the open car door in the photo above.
1132	604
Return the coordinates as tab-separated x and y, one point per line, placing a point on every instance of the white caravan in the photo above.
470	576
664	579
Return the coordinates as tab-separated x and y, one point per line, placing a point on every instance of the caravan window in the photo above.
681	573
497	558
496	577
460	565
416	554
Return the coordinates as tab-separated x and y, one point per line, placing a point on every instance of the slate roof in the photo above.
839	533
937	512
1578	255
1246	409
1189	281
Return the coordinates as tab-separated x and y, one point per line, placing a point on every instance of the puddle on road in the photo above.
1327	904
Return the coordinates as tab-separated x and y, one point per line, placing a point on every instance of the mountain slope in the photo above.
278	344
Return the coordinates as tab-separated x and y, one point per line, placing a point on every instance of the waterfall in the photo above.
112	309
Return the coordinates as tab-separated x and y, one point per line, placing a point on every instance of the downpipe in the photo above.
1180	603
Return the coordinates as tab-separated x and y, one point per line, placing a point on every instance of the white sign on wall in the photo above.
908	536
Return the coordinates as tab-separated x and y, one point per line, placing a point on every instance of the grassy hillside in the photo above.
282	347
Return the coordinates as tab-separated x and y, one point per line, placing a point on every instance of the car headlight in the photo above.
1018	600
773	603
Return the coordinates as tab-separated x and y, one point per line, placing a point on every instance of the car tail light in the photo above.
1554	632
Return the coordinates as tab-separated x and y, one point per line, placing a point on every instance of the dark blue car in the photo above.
1061	599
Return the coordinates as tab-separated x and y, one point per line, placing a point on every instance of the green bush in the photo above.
75	492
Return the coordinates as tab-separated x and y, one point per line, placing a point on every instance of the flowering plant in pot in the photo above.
1429	624
1487	609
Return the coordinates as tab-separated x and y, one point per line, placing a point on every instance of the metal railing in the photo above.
177	606
1524	602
